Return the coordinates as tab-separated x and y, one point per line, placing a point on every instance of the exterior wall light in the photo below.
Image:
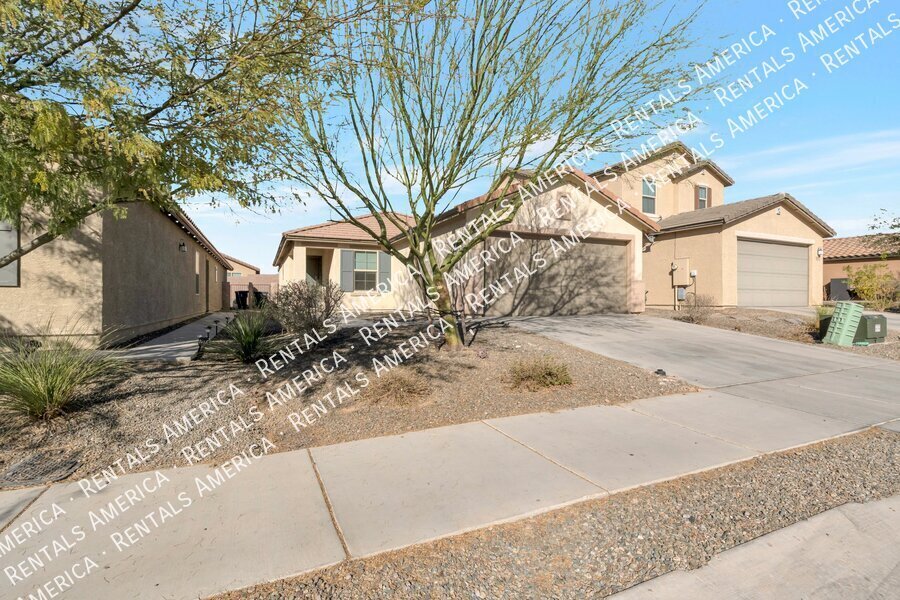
820	252
182	247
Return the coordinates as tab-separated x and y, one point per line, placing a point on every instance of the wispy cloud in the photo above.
832	155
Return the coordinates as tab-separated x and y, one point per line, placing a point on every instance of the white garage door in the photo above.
589	278
772	274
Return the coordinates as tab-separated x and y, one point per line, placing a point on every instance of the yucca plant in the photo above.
40	380
244	338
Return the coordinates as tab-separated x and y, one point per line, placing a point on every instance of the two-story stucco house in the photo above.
129	275
659	233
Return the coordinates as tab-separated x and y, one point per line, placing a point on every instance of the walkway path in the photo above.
846	552
178	345
297	511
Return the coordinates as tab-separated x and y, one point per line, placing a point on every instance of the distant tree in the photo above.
439	94
886	222
103	102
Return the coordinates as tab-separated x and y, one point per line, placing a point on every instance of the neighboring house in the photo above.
686	242
242	277
240	268
132	275
856	252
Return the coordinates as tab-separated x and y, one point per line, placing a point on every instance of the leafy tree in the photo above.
103	102
873	283
445	93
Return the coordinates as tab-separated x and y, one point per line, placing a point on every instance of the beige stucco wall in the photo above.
835	269
60	285
293	268
150	283
712	252
240	270
672	197
700	250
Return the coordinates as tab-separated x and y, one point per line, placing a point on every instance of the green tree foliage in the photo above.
447	92
873	283
106	101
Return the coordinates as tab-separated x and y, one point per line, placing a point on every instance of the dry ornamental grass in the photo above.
538	373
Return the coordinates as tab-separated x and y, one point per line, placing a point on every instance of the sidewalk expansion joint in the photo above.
24	508
328	505
547	458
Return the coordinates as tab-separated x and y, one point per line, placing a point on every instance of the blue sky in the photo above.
835	146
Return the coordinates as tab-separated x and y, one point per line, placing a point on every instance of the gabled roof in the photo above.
343	231
240	262
733	211
679	147
861	246
185	222
698	166
590	184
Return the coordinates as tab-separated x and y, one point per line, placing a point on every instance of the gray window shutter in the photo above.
384	269
347	270
9	241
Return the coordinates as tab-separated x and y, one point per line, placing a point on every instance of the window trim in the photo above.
704	201
373	271
644	197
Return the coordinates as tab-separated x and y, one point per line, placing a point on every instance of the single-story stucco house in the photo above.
684	241
129	275
856	252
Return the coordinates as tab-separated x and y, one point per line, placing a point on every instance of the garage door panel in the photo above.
588	278
771	274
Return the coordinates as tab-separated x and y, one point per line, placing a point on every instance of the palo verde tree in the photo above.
109	101
431	96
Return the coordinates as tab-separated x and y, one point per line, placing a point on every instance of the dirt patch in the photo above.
782	326
117	421
597	548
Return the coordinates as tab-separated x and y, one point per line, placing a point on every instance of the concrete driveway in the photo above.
830	383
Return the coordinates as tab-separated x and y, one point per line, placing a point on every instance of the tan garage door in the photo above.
589	278
772	274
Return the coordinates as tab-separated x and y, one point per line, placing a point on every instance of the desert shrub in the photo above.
698	309
302	306
40	380
874	284
244	338
537	373
398	386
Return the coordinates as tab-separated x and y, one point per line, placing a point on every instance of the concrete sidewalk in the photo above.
178	345
297	511
846	552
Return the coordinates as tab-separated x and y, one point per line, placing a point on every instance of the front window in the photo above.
365	271
648	196
702	197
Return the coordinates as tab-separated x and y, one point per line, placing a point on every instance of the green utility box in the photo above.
844	323
871	329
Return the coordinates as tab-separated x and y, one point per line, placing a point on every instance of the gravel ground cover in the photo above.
597	548
783	326
464	386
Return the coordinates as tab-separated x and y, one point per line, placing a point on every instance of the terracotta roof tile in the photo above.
345	230
858	247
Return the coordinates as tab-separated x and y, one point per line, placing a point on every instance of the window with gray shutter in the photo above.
384	270
347	270
9	241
